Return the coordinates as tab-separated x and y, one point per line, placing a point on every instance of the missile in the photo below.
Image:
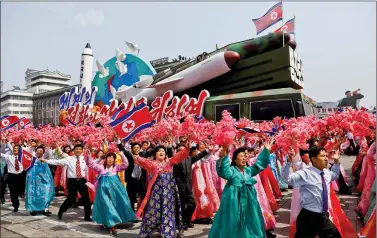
104	72
86	67
197	74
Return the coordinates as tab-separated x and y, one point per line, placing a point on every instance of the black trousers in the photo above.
15	182
310	224
188	205
74	186
135	187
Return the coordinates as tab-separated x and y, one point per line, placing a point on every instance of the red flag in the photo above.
272	16
132	122
288	27
26	159
23	122
8	122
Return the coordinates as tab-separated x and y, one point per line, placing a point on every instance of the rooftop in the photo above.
33	72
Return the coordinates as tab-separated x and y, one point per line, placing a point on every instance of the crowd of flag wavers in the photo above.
170	186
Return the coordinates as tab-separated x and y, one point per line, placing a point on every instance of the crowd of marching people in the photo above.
171	184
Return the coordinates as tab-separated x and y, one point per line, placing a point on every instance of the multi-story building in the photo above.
17	102
45	81
20	101
1	86
46	106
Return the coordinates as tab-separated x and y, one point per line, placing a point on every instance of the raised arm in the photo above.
5	157
144	163
179	157
261	163
223	168
123	165
199	156
92	164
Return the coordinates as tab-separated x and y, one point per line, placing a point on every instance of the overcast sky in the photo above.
337	41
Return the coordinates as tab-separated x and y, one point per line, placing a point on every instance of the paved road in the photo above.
21	224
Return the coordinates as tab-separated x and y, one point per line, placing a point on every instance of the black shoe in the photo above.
33	213
135	221
60	215
15	210
190	225
88	219
47	213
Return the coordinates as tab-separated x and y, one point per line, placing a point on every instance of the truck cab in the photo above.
261	105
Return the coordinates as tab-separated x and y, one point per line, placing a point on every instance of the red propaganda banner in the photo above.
78	109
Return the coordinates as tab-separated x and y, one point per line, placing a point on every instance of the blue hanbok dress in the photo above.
40	190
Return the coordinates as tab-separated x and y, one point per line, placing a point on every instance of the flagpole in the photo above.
282	19
294	22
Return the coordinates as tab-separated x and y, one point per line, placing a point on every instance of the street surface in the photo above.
21	224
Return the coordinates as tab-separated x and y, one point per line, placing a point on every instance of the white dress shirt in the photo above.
310	183
10	161
70	162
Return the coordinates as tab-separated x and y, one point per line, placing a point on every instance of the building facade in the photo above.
17	102
45	81
46	106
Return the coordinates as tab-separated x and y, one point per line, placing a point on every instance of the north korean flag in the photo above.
288	27
128	125
8	122
26	159
23	122
272	16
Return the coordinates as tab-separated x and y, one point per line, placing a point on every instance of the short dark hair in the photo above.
77	146
192	149
40	147
156	149
133	144
348	91
235	154
145	142
111	155
314	151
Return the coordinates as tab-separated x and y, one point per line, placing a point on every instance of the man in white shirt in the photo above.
76	173
314	183
14	179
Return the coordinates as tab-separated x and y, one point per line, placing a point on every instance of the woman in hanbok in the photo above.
40	190
161	208
60	178
111	204
363	205
96	156
240	214
207	200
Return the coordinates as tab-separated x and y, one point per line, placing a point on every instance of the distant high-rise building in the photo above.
44	81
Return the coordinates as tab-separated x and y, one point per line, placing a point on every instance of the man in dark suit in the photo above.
135	176
183	176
